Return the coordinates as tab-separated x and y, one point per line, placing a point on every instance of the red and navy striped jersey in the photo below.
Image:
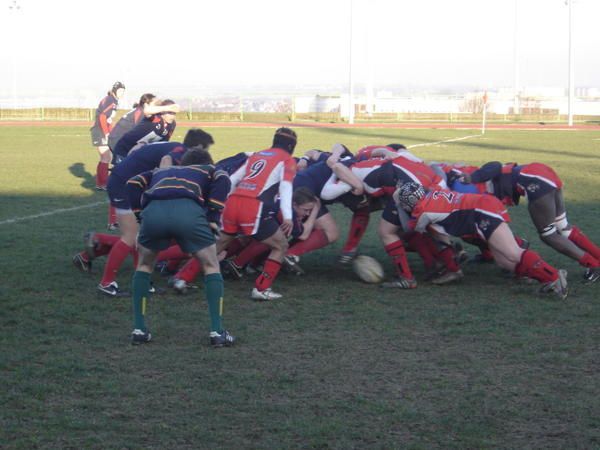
202	183
105	113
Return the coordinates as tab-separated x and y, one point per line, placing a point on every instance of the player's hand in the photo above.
287	226
214	228
358	190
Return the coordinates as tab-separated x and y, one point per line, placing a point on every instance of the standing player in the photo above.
181	203
544	192
100	131
445	213
250	206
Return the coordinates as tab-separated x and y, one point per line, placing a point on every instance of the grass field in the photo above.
335	364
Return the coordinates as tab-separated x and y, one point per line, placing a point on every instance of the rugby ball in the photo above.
368	269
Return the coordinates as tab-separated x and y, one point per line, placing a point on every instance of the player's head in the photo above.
197	138
408	194
285	139
303	202
118	89
196	156
397	146
146	99
168	116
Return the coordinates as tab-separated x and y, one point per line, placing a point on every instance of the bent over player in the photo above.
249	208
443	213
543	189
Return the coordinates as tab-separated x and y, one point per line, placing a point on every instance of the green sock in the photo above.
213	284
140	293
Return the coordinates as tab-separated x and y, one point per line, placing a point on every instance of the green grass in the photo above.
335	364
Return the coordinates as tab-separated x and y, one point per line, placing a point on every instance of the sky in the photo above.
82	47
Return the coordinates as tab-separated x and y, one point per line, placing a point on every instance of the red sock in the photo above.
583	242
173	252
520	242
112	215
251	251
533	266
358	226
447	257
101	174
316	239
189	271
588	260
418	242
398	255
104	243
268	275
117	255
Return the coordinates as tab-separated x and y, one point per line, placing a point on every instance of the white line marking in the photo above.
51	213
91	205
442	142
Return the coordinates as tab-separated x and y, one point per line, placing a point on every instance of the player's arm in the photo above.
309	223
151	109
217	195
285	194
484	173
345	174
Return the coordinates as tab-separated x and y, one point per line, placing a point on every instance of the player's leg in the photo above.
388	233
270	234
140	288
549	217
121	249
527	263
591	257
325	232
102	168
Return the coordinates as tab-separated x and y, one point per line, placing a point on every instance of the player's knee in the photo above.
550	235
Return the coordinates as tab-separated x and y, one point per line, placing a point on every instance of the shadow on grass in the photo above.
88	181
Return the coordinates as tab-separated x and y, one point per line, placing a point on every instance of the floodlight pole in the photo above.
571	69
351	78
516	106
14	9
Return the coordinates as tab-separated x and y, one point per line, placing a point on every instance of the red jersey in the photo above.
458	214
105	112
267	173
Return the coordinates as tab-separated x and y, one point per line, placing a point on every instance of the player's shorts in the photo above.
482	220
390	213
537	180
98	137
116	188
181	219
241	215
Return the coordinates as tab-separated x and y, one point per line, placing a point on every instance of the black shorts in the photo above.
116	188
181	219
99	139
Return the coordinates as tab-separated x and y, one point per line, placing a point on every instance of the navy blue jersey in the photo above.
148	130
147	158
125	123
233	163
202	183
316	175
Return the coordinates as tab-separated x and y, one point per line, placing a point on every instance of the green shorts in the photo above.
180	219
